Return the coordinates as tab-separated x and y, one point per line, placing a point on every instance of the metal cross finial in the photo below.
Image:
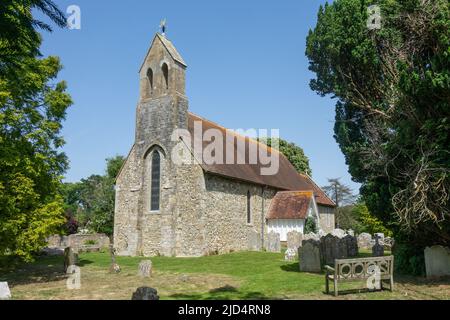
162	25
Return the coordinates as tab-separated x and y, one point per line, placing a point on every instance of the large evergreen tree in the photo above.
393	107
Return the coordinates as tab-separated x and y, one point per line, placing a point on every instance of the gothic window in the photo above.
150	79
165	71
249	211
155	181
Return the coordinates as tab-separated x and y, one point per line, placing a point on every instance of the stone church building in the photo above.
169	209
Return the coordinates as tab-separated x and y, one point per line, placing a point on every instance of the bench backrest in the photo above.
364	267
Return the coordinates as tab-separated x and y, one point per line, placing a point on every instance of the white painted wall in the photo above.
284	226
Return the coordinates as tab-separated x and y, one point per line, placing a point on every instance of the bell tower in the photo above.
163	70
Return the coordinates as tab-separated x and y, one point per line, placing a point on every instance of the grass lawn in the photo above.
244	275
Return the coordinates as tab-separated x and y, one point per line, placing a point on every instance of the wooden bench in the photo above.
360	269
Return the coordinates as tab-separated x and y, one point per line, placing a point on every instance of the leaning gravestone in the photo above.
145	293
5	293
254	241
290	255
332	248
365	241
273	243
378	248
437	261
70	258
294	240
309	256
145	269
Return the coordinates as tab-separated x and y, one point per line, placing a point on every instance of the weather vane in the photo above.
162	25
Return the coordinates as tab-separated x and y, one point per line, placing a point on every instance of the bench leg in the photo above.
335	288
327	284
392	284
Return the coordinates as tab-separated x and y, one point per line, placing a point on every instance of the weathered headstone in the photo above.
290	254
273	243
310	256
254	241
5	293
310	236
352	245
378	248
145	293
388	243
437	261
364	241
339	233
332	248
145	269
70	258
294	240
380	236
114	267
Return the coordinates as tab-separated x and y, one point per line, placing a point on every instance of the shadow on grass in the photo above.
221	293
292	267
44	269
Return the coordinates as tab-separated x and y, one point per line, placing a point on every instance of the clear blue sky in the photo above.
246	69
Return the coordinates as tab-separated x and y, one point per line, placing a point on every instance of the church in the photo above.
164	207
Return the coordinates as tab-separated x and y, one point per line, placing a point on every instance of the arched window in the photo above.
150	78
156	181
165	71
249	210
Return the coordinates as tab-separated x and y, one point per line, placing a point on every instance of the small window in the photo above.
155	181
249	210
165	71
150	79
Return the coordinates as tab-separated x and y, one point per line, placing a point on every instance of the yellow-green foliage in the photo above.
370	223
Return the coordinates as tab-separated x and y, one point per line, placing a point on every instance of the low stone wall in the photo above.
79	241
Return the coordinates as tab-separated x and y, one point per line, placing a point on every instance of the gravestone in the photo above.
388	243
290	254
339	233
309	256
294	240
437	261
310	236
5	293
364	241
114	267
351	232
70	258
254	241
352	245
380	236
378	248
145	293
273	243
332	248
145	269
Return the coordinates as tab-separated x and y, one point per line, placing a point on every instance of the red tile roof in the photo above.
290	205
321	196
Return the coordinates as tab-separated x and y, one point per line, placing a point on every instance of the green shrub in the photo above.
310	226
409	260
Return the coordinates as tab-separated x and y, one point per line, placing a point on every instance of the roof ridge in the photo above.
237	134
313	182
